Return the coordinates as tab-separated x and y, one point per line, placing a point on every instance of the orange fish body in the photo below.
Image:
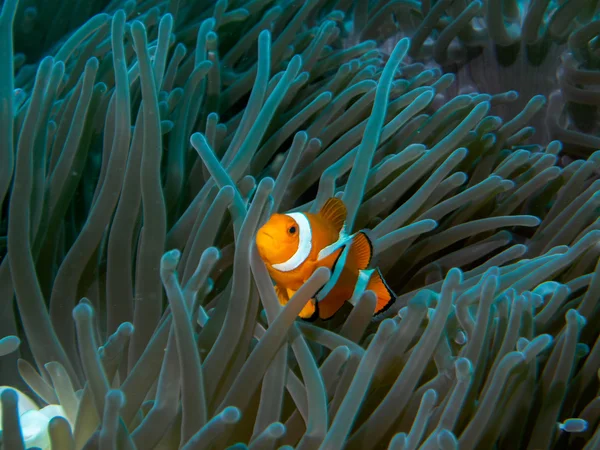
294	245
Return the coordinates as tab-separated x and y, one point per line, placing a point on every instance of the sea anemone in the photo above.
144	142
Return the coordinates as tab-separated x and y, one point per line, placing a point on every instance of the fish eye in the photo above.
292	229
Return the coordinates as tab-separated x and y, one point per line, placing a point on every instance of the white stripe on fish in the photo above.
304	244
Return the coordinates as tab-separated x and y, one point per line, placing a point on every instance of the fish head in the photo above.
278	239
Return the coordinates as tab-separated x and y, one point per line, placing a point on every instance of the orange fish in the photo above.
294	245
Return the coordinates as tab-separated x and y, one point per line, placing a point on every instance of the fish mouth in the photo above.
261	235
263	241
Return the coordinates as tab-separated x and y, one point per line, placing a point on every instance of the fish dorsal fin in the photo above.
361	250
334	211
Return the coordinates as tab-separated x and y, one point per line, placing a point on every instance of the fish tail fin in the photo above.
385	296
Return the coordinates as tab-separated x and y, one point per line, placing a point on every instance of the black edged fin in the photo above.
385	296
361	250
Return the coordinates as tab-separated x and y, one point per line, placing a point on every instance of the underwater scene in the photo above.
286	224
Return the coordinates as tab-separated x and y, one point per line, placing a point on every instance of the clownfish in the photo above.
294	245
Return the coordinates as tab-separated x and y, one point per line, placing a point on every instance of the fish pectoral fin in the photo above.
334	211
309	312
282	295
361	250
385	296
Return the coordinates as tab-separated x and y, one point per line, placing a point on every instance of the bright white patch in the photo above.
304	244
335	276
364	276
343	239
